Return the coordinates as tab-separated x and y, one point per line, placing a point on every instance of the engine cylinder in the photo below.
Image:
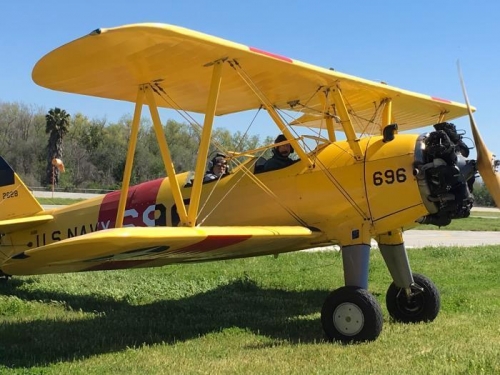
444	174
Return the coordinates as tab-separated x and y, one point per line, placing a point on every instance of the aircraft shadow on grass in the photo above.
119	325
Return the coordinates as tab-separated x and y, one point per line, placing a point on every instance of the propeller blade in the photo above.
485	159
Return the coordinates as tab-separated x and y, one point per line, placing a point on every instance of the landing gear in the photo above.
351	314
4	278
422	305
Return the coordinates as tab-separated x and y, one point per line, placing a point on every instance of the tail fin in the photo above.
16	201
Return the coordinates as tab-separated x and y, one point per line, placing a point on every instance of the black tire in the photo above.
351	314
423	306
4	278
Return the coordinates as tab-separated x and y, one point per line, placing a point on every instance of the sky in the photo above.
412	45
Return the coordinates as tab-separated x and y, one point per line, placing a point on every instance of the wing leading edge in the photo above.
149	247
112	63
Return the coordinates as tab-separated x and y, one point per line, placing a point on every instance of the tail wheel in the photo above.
351	314
421	306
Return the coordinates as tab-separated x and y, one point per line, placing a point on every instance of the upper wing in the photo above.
111	63
146	247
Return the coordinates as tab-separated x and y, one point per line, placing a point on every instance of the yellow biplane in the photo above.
372	182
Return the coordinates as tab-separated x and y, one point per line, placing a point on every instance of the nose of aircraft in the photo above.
444	174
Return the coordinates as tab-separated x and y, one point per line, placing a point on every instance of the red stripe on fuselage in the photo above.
139	198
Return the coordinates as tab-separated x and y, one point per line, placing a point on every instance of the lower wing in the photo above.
150	247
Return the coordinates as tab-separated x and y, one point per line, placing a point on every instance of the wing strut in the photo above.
330	127
345	119
386	114
289	136
130	157
274	115
165	154
213	96
441	117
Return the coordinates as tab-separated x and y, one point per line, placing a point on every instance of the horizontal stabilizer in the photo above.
12	225
90	251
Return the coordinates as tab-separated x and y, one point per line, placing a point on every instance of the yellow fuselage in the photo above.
347	200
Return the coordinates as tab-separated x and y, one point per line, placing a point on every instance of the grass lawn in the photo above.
58	201
473	223
492	214
247	316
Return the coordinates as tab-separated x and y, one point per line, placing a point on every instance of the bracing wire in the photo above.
334	181
159	91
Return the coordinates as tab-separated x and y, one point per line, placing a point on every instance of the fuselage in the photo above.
338	196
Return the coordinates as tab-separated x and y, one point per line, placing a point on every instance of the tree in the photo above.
183	142
482	196
22	140
57	125
95	150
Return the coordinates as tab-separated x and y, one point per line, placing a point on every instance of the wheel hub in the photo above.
412	304
348	319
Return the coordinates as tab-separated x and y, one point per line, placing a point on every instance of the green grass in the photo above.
58	201
248	316
492	214
472	223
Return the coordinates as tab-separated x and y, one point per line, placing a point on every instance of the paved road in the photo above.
422	238
427	238
48	194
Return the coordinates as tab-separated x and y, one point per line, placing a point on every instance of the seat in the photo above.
259	165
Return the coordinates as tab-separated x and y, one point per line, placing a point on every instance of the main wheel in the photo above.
4	278
422	306
351	314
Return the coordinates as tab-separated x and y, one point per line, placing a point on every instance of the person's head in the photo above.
283	150
219	166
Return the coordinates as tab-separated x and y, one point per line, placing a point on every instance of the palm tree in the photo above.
57	123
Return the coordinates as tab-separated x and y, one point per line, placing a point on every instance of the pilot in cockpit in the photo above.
217	168
281	155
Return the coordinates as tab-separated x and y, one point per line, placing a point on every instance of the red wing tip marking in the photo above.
269	54
440	100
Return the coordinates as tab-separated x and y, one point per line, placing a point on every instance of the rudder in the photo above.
15	198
